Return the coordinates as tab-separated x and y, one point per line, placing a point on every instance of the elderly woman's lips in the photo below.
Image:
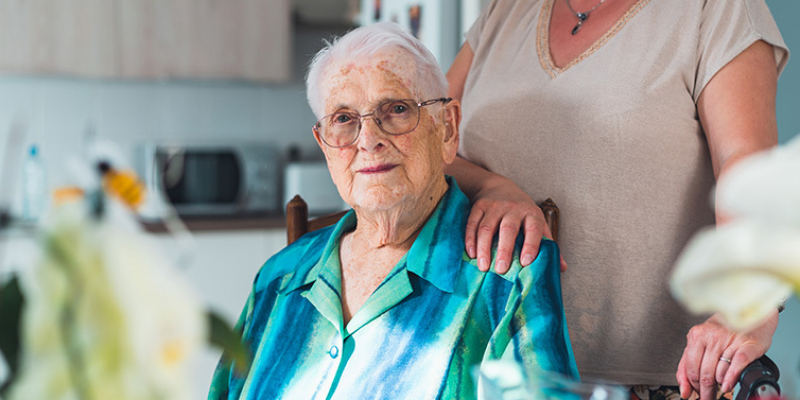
377	169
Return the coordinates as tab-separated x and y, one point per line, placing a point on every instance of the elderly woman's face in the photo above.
381	171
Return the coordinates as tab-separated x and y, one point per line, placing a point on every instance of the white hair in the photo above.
365	42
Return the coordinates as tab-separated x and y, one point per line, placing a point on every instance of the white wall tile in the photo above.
184	110
66	110
128	111
285	118
233	112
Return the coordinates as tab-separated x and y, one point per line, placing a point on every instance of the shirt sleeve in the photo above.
473	35
533	330
727	28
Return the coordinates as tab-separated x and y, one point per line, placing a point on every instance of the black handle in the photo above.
759	380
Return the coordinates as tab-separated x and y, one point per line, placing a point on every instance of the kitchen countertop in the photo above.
196	224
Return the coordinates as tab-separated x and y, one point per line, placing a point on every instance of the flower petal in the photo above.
765	186
740	270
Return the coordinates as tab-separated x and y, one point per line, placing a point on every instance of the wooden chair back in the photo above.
298	224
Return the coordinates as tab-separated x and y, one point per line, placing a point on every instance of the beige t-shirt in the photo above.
614	138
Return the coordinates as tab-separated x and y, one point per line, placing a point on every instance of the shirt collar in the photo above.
299	278
435	255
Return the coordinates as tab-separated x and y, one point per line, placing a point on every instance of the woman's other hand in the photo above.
710	345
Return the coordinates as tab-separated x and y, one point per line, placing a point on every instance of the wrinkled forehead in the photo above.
386	74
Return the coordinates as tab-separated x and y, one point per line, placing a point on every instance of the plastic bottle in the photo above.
34	184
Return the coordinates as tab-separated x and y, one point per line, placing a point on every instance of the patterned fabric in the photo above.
645	392
433	318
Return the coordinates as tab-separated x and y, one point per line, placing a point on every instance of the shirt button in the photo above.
334	352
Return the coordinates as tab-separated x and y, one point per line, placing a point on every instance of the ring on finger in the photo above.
727	360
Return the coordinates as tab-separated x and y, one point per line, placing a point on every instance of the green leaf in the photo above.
230	341
11	302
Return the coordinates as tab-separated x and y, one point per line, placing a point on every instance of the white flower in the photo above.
744	268
765	186
741	270
106	316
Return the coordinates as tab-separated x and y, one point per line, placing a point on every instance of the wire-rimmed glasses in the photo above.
393	117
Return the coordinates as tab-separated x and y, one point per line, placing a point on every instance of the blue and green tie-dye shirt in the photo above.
432	319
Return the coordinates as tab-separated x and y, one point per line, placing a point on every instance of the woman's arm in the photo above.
498	203
737	111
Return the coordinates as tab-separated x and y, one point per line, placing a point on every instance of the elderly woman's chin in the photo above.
378	195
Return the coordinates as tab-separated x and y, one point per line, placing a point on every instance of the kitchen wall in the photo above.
56	112
788	102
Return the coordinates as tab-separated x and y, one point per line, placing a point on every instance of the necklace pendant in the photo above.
577	27
581	19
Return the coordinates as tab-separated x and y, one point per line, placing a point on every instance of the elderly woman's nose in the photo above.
371	137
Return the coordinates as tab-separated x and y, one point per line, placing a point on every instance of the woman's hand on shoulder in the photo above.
715	355
498	203
505	209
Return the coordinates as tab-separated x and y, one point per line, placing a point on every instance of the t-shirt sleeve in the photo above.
473	36
727	28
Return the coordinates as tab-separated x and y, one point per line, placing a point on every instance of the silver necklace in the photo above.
582	16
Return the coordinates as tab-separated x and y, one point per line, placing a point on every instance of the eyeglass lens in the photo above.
394	117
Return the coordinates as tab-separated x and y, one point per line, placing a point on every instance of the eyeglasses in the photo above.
394	117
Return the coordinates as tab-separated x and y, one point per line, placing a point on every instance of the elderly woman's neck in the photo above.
399	226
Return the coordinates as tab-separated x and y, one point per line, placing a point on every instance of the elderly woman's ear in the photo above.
452	118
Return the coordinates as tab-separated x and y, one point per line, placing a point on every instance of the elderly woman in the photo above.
386	304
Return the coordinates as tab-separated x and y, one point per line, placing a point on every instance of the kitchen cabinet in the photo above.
63	37
326	12
148	39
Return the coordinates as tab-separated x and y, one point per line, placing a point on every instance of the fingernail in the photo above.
501	266
526	259
471	251
726	387
483	264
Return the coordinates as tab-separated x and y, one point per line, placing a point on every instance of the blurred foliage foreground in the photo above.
102	314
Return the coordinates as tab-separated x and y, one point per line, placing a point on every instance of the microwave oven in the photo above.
211	179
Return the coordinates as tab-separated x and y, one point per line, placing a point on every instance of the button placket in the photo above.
336	346
333	351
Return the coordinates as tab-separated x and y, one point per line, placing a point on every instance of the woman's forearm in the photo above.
472	178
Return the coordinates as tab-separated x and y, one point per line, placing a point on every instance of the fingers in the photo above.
692	359
505	245
708	371
533	237
505	219
470	238
701	359
481	227
486	229
739	361
715	355
683	380
723	366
